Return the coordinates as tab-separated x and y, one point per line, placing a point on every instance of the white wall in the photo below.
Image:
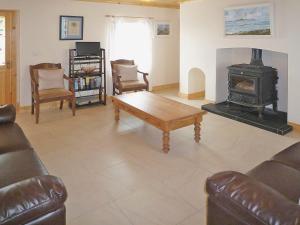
202	33
39	35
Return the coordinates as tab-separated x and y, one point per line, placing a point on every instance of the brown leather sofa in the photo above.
268	194
28	194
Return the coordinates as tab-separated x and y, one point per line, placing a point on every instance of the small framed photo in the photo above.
71	28
163	29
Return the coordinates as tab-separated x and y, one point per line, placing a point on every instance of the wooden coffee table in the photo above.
161	112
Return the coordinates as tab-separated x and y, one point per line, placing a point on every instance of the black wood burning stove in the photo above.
253	85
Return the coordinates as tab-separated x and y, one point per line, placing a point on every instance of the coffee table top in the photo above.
158	106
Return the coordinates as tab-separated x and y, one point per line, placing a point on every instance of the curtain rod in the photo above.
132	17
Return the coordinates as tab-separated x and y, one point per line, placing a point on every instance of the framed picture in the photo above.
253	20
71	28
163	29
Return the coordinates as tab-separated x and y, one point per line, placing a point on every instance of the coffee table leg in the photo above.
197	129
117	113
166	141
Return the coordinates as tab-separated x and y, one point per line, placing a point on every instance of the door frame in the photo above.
13	55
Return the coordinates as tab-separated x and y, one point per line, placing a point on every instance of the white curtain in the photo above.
130	39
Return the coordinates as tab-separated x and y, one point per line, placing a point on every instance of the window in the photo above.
131	39
2	41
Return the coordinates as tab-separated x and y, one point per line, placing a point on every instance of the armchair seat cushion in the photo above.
54	93
133	84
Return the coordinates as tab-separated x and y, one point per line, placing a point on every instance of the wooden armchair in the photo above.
49	95
122	86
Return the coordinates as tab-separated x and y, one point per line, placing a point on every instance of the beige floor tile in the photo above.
135	219
133	176
117	173
105	215
197	219
157	206
193	191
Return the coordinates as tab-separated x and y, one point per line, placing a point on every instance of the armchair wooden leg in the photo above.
37	112
32	106
73	106
61	104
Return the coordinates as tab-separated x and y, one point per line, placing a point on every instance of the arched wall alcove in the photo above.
196	82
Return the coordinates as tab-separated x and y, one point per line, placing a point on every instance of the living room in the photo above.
125	161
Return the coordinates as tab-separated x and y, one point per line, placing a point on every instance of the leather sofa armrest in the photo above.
7	114
259	200
29	199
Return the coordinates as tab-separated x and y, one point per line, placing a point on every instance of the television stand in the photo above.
89	77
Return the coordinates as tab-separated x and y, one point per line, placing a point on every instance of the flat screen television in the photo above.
87	48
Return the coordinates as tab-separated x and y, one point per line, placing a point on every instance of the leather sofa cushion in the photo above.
29	199
280	177
290	156
12	138
7	114
18	166
56	217
253	202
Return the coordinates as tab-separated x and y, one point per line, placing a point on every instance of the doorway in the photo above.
8	72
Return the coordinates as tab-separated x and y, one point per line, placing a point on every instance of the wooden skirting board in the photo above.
192	96
48	105
295	126
165	87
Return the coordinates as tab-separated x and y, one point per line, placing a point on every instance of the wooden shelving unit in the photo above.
90	87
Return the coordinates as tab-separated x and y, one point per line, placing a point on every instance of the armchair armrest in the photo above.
28	199
145	78
67	78
117	80
259	200
35	87
34	78
146	74
7	114
71	82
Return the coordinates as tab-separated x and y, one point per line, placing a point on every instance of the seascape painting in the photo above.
249	20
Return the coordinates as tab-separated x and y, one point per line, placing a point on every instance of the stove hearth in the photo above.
252	87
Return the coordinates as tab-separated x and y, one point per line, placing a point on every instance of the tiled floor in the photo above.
116	174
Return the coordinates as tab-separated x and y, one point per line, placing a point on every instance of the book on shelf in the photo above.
85	83
76	86
86	93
